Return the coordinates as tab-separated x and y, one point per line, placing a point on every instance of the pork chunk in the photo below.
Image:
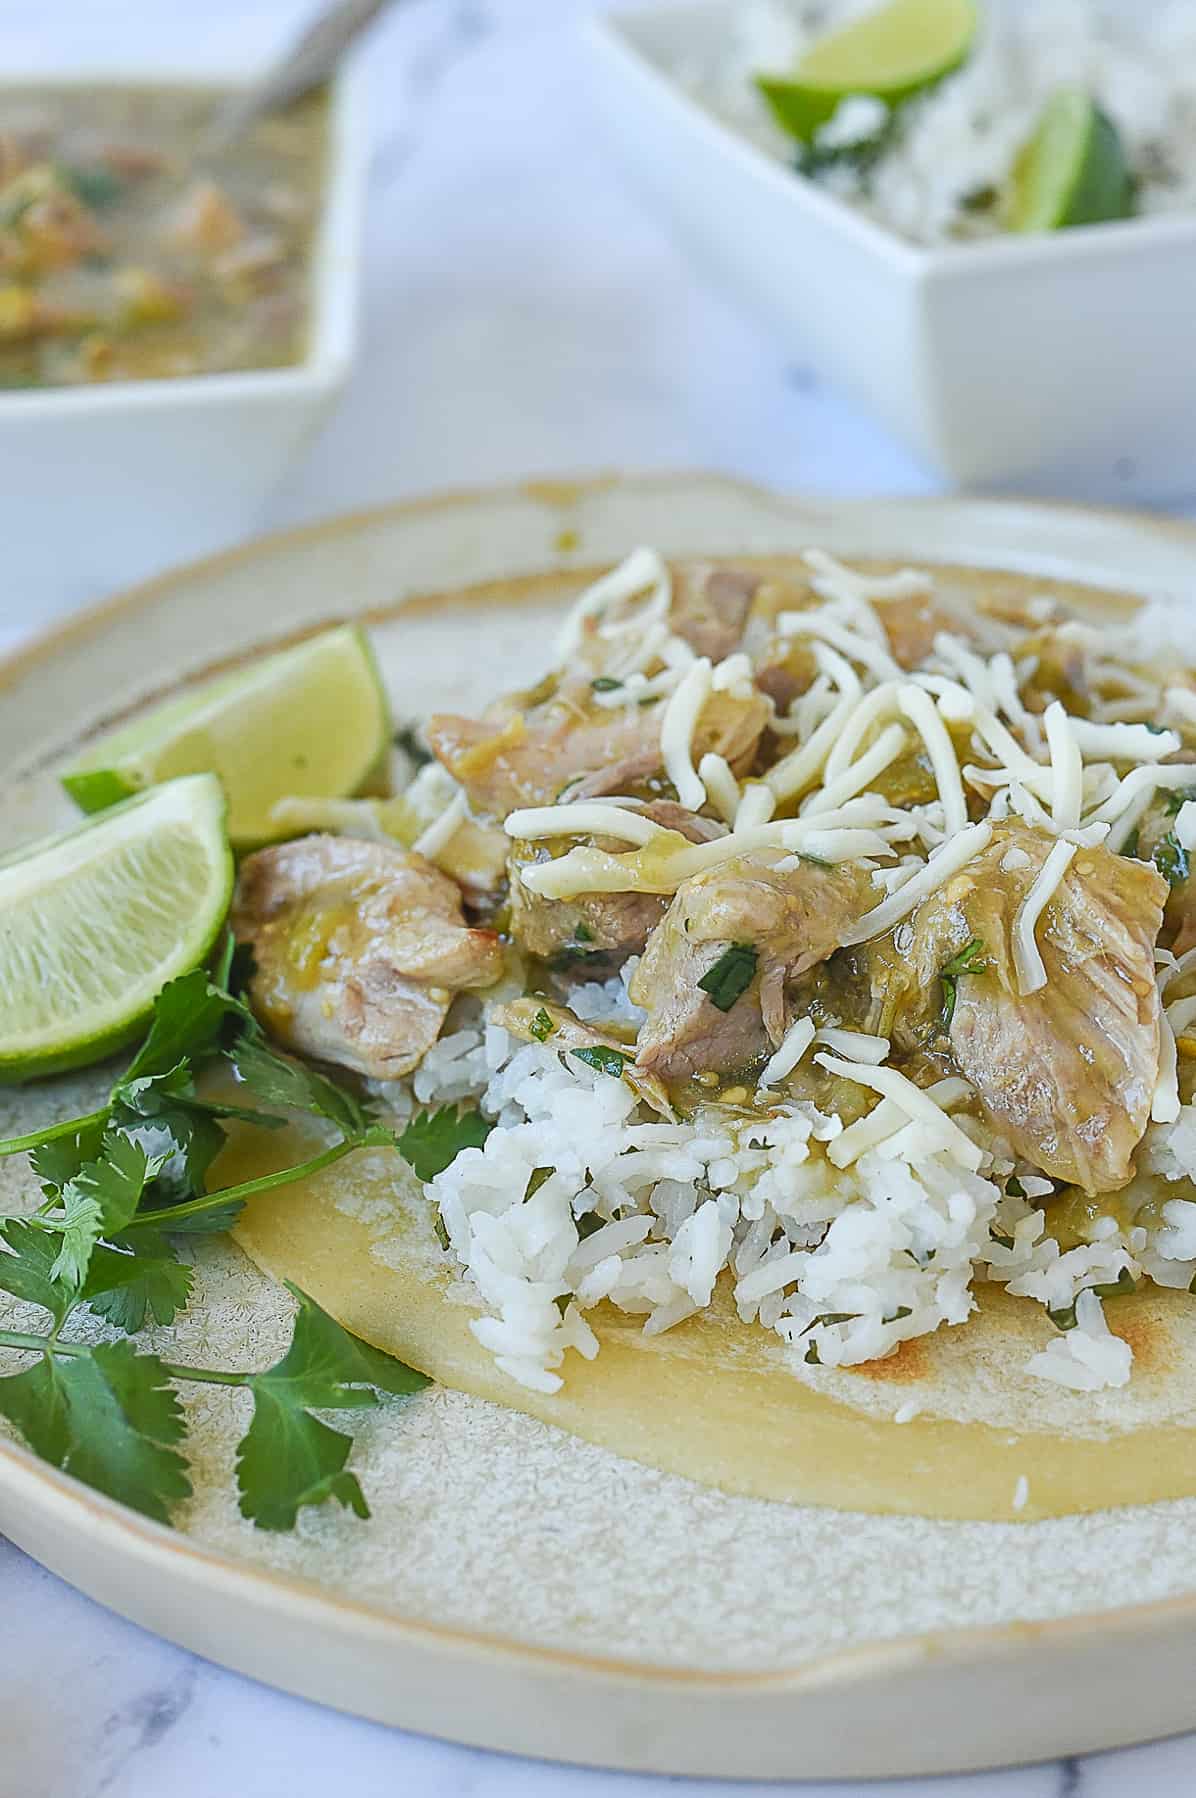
711	605
573	747
1067	1073
358	949
789	914
590	937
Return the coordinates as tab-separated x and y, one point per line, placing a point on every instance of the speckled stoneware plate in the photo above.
517	1587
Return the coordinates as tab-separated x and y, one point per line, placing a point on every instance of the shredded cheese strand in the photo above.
1067	768
923	715
677	725
722	788
876	707
870	655
756	806
432	841
1027	960
857	777
642	570
1164	1104
955	854
587	817
797	770
794	1044
912	1100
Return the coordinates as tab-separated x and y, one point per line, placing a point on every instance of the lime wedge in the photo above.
891	54
1072	171
93	923
312	720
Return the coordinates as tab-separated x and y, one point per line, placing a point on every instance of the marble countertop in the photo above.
522	316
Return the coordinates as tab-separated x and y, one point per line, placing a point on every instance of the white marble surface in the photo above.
522	315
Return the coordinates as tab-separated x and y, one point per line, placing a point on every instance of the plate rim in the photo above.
32	1485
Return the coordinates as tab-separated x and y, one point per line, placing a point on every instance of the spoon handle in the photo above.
303	65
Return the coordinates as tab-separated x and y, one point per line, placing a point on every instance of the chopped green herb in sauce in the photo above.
730	976
542	1026
1171	859
604	1059
969	960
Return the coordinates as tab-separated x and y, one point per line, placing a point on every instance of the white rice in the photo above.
843	1265
1138	60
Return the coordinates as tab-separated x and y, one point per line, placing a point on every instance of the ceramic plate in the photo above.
518	1588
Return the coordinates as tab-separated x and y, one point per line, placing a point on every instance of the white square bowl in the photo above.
1064	363
101	485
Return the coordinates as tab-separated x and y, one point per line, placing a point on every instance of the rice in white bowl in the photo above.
959	142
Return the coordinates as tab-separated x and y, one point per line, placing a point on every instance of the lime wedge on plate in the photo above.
312	720
890	54
93	923
1072	171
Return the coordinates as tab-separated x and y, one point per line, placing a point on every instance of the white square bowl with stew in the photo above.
1064	361
175	317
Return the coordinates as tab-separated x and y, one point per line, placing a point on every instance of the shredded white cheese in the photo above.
1164	1105
794	1044
677	724
1067	768
1185	824
834	580
797	770
588	817
756	806
1027	961
917	1105
856	1045
874	708
432	841
955	854
849	643
1123	742
722	788
643	571
921	712
859	775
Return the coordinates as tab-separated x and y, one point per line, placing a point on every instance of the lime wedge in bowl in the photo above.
94	922
312	720
1072	171
891	54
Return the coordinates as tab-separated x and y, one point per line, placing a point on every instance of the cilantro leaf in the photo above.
188	1017
730	976
182	1143
327	1367
602	1057
1171	859
99	1201
124	1284
211	1221
59	1160
27	1257
969	960
289	1459
542	1026
284	1082
108	1417
435	1138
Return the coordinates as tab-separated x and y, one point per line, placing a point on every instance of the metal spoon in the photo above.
303	65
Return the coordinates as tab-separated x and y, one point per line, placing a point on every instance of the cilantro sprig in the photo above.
109	1413
122	1182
